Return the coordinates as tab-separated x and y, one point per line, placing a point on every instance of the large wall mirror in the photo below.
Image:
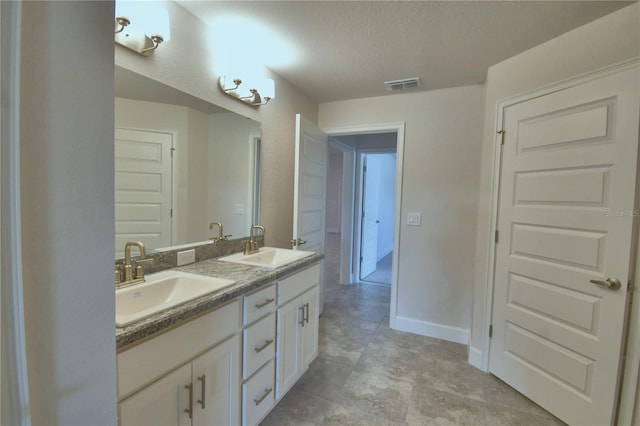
181	163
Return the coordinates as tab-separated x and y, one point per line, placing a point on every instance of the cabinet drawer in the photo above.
296	284
257	395
259	303
259	345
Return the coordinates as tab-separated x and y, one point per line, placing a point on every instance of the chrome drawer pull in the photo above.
190	409
263	347
266	393
301	322
265	303
203	391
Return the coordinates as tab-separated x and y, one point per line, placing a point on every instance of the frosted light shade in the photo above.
266	88
156	22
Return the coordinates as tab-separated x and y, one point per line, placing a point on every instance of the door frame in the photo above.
14	401
347	212
398	128
630	375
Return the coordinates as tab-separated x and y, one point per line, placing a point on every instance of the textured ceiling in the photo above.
347	49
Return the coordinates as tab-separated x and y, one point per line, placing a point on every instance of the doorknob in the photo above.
611	283
297	242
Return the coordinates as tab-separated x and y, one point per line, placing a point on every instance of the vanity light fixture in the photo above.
255	92
141	26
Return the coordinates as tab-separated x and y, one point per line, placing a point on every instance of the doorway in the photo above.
377	172
355	240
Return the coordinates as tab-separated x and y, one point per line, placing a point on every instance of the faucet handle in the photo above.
139	273
117	274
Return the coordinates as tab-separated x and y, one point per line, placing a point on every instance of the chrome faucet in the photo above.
252	246
128	275
221	236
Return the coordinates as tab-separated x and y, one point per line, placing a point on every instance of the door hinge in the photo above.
364	168
361	259
501	133
171	213
490	331
172	151
497	236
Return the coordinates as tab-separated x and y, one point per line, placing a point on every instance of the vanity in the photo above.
225	358
183	168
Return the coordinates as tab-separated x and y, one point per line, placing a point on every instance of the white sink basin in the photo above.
267	257
161	291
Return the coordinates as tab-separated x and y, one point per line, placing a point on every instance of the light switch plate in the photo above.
414	219
186	257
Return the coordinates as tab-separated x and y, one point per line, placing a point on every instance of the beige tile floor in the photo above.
368	374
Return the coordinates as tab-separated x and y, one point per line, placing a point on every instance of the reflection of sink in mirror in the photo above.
161	291
162	199
267	257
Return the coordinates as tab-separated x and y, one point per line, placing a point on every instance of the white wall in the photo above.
187	63
441	165
67	189
605	41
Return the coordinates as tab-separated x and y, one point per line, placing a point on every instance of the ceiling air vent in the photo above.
407	83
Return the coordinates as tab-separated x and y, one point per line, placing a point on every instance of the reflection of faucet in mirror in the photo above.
252	245
221	236
130	277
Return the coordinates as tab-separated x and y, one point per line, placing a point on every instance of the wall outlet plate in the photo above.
414	219
186	257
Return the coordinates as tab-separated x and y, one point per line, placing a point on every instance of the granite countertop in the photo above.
247	279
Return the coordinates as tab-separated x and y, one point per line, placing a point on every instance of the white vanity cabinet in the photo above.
297	317
190	375
228	366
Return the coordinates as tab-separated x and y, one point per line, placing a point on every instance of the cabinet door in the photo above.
288	352
310	304
216	385
161	403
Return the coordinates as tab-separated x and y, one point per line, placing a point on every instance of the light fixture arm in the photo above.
255	99
156	39
123	22
237	83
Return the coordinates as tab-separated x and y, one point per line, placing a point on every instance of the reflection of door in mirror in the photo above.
215	169
143	176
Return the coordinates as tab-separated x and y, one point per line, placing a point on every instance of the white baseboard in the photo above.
430	329
475	357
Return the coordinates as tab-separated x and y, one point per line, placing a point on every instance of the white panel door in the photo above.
142	188
370	205
565	218
310	191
